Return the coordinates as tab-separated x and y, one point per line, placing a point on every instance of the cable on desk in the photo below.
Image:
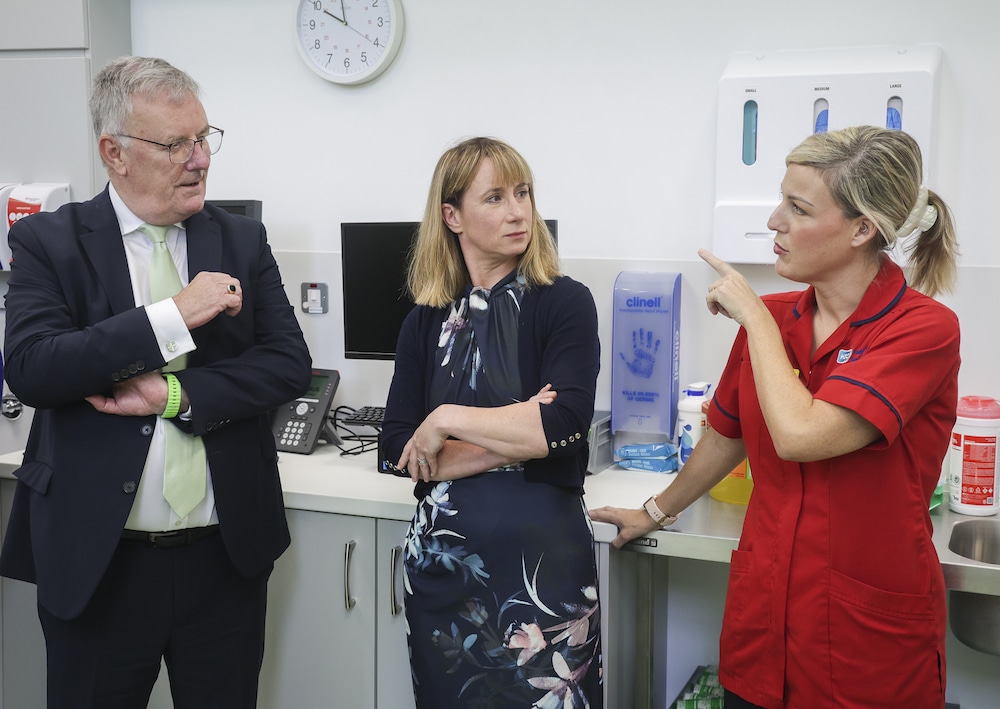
343	421
360	443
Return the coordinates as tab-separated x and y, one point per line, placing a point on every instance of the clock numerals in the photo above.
349	41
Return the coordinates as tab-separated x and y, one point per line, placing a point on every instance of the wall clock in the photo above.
349	41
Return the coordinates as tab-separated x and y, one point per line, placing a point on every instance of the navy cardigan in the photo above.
557	345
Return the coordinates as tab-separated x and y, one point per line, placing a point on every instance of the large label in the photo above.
19	209
972	478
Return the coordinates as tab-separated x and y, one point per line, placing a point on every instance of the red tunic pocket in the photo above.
886	648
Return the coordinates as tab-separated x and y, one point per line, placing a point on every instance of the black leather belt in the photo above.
165	540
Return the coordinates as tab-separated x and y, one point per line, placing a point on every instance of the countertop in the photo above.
326	481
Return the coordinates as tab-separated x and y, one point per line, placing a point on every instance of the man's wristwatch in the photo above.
661	519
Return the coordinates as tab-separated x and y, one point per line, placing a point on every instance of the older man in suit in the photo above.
148	509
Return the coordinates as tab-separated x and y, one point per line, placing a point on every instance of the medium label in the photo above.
973	469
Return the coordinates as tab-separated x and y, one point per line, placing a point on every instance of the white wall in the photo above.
612	104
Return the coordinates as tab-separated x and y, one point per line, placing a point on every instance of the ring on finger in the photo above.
232	288
421	461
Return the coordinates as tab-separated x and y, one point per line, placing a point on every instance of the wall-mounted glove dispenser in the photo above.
646	328
770	102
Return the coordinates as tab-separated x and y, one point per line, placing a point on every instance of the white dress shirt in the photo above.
150	511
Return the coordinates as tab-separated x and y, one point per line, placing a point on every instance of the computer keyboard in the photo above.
365	416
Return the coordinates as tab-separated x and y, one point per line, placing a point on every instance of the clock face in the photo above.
349	41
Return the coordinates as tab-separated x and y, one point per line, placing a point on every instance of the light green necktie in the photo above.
184	477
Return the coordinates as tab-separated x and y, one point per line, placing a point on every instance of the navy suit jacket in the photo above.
73	330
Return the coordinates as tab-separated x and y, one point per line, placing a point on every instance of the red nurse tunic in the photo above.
836	596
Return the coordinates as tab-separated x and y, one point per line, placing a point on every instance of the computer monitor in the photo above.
244	207
374	257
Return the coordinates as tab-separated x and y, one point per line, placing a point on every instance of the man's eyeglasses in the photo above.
180	151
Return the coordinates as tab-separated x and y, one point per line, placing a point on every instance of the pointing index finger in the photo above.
720	266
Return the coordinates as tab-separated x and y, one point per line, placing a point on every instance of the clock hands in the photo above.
338	19
343	20
347	25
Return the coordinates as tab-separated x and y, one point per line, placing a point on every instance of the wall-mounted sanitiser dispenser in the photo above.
27	199
646	327
770	102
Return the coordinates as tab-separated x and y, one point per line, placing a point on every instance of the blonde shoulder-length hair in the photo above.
437	274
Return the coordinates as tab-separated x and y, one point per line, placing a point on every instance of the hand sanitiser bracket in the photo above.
770	102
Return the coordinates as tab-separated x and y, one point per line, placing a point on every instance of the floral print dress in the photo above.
500	576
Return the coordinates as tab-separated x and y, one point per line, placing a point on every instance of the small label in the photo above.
643	542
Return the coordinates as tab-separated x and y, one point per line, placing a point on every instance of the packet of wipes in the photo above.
653	465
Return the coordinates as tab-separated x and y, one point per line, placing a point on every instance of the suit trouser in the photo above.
734	701
187	605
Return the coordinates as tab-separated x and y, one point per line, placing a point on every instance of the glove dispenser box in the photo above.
770	102
24	200
646	346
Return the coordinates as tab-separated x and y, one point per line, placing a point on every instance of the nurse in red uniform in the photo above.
843	396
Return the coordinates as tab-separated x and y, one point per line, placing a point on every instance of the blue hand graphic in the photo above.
643	354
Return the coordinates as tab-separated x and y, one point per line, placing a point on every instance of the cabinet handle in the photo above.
349	602
394	607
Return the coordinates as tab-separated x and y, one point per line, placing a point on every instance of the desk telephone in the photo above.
299	424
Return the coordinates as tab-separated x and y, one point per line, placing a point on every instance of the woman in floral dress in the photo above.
488	412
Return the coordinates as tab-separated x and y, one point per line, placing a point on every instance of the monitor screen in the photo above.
374	258
244	207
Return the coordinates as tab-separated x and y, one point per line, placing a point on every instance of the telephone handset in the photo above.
299	424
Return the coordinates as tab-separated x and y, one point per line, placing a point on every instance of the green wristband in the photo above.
173	397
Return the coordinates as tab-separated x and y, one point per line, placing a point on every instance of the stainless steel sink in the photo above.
975	617
977	539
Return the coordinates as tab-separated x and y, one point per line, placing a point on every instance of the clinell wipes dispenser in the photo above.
644	369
